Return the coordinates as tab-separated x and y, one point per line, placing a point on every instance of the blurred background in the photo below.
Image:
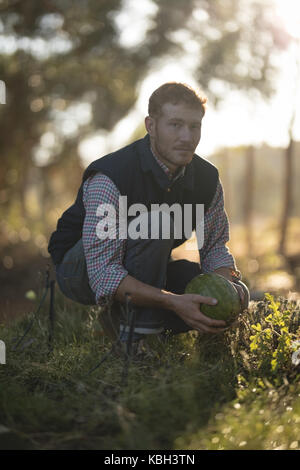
75	78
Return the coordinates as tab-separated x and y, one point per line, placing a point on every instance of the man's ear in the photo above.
149	124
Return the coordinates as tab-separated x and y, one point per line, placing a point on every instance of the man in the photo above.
160	169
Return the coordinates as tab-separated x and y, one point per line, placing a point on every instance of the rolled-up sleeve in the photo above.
104	256
214	253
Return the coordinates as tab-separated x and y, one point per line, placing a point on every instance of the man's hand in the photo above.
244	294
240	291
187	306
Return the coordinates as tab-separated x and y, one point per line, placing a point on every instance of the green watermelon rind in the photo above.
216	286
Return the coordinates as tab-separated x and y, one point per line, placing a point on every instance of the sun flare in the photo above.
289	12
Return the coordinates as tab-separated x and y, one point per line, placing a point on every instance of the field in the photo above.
73	88
238	390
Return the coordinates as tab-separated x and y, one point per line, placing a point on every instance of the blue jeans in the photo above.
147	260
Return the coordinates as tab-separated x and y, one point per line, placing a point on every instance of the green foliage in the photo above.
265	421
271	344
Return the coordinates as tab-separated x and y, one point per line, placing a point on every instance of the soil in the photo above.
28	272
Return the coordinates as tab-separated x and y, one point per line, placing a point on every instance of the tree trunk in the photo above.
288	177
248	202
287	197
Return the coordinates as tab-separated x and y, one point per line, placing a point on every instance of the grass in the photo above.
237	390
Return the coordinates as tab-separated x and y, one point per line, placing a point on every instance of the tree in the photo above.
65	59
248	201
288	176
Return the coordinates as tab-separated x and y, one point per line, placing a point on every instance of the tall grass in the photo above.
194	392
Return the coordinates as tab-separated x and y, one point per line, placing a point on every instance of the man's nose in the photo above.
185	134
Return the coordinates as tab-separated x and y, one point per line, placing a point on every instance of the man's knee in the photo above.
72	277
180	273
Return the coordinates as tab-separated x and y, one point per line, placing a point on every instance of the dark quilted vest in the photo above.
138	176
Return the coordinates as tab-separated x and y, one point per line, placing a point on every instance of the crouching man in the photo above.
98	268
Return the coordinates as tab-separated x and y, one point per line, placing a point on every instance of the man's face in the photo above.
175	134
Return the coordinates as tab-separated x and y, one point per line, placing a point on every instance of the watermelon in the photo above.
218	287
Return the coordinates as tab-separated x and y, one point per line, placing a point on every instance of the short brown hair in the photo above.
173	92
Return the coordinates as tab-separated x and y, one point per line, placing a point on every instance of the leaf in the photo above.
30	295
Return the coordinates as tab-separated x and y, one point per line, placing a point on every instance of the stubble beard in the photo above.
164	156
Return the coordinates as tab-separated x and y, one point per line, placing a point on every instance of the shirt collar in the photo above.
170	175
149	162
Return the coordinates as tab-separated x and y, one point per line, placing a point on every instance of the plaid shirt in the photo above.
104	257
